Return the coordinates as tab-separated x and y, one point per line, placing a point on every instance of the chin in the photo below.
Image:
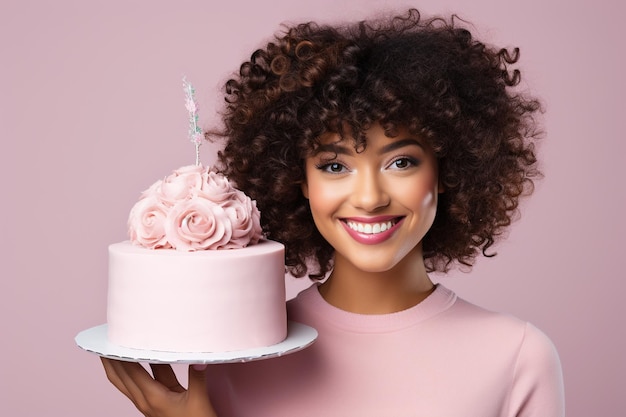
374	267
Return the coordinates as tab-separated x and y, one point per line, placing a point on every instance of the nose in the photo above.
370	191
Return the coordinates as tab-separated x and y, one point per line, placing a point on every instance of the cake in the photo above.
196	274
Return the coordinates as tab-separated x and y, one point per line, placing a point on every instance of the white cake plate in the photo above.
95	340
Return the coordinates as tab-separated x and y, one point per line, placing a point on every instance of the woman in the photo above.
378	152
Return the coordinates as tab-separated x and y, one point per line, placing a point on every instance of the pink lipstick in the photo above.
371	230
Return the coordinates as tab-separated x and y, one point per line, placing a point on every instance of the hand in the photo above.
161	395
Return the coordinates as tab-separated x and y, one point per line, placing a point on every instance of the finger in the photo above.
127	374
138	382
166	376
197	393
150	396
113	376
197	388
140	379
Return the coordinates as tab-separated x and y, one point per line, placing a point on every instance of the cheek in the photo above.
420	195
321	199
428	200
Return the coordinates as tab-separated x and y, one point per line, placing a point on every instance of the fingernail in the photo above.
199	367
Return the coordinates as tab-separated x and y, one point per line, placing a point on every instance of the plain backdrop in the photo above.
91	113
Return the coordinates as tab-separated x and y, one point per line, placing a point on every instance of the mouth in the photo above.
372	231
371	228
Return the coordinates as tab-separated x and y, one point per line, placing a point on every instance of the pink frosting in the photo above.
194	208
147	223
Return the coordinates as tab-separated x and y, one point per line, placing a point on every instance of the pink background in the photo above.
91	113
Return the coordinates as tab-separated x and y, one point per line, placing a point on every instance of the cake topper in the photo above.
195	133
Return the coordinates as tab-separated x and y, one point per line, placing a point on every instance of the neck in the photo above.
363	292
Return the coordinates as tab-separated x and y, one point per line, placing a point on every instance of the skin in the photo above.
393	180
160	394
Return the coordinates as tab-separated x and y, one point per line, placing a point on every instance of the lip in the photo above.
372	239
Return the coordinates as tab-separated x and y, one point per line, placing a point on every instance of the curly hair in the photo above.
428	76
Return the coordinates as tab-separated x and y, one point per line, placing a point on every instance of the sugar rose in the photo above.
197	224
146	223
245	219
216	187
194	209
183	183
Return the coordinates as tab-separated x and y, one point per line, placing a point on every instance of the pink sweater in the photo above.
442	358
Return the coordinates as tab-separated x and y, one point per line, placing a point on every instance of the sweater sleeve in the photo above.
537	388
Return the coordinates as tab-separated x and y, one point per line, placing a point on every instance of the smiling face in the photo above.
375	206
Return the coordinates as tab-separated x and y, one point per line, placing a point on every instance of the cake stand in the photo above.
95	340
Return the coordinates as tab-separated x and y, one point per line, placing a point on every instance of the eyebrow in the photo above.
344	150
400	144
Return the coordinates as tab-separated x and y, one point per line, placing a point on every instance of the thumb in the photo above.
197	391
197	379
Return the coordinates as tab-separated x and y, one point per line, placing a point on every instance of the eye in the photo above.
403	163
333	168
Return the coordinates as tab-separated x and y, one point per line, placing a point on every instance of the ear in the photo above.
305	189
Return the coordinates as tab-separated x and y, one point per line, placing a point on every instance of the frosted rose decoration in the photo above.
198	224
244	216
217	188
194	208
147	223
179	185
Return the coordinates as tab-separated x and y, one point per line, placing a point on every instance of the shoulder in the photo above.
308	307
466	314
537	386
304	297
529	341
536	346
536	379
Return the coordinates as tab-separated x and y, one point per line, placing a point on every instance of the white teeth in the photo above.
370	228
